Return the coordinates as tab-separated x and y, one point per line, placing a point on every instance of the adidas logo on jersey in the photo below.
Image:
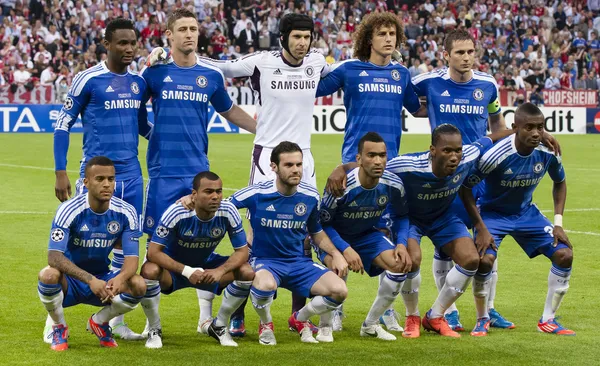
109	89
445	94
188	233
167	79
426	185
277	72
508	171
363	73
271	208
84	228
353	204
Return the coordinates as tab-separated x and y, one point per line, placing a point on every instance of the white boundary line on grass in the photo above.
582	232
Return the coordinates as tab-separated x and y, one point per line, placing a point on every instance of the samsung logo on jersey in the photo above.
93	243
468	109
184	95
379	88
282	224
520	182
294	85
198	245
363	214
122	104
437	195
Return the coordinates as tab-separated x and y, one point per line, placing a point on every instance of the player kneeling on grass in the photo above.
283	212
511	170
350	222
84	232
181	254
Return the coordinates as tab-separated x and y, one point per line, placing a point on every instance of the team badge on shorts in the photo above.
456	178
300	209
68	104
538	167
135	88
57	235
474	179
395	75
325	216
216	232
149	221
113	227
478	94
309	71
162	231
201	81
382	200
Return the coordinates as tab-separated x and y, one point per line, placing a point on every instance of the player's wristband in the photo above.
558	220
188	271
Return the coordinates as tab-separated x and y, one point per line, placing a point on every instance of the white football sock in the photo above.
121	304
262	301
558	285
481	289
493	282
317	306
150	304
410	293
389	288
233	296
441	268
205	300
457	281
52	298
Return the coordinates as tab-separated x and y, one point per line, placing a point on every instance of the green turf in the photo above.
27	185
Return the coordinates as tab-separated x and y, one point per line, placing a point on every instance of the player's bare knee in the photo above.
563	258
150	271
415	258
486	263
49	275
264	281
470	262
339	290
137	285
244	273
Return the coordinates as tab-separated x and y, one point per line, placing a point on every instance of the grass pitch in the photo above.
27	207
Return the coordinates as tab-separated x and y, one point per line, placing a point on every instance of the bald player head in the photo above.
528	126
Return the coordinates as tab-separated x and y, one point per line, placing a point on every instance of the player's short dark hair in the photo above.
526	111
443	129
116	24
179	14
457	35
284	147
208	175
369	137
97	160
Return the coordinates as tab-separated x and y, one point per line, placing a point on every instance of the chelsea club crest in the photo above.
201	81
300	209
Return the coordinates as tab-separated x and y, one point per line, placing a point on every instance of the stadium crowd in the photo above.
526	45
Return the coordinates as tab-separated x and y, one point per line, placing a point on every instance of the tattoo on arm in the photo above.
58	260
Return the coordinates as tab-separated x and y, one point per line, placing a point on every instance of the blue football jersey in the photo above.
190	240
359	210
373	97
180	96
428	196
511	178
87	238
112	114
465	105
280	223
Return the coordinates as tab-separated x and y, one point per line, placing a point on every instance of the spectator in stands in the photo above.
248	38
48	76
565	79
21	77
552	82
536	97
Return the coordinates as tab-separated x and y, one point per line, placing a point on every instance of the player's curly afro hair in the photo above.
368	25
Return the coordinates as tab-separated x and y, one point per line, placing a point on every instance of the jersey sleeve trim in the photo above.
175	213
496	155
83	77
120	206
68	211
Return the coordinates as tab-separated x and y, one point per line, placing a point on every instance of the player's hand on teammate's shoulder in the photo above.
62	187
549	141
187	202
336	182
560	236
354	262
402	256
484	240
339	266
157	55
100	289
